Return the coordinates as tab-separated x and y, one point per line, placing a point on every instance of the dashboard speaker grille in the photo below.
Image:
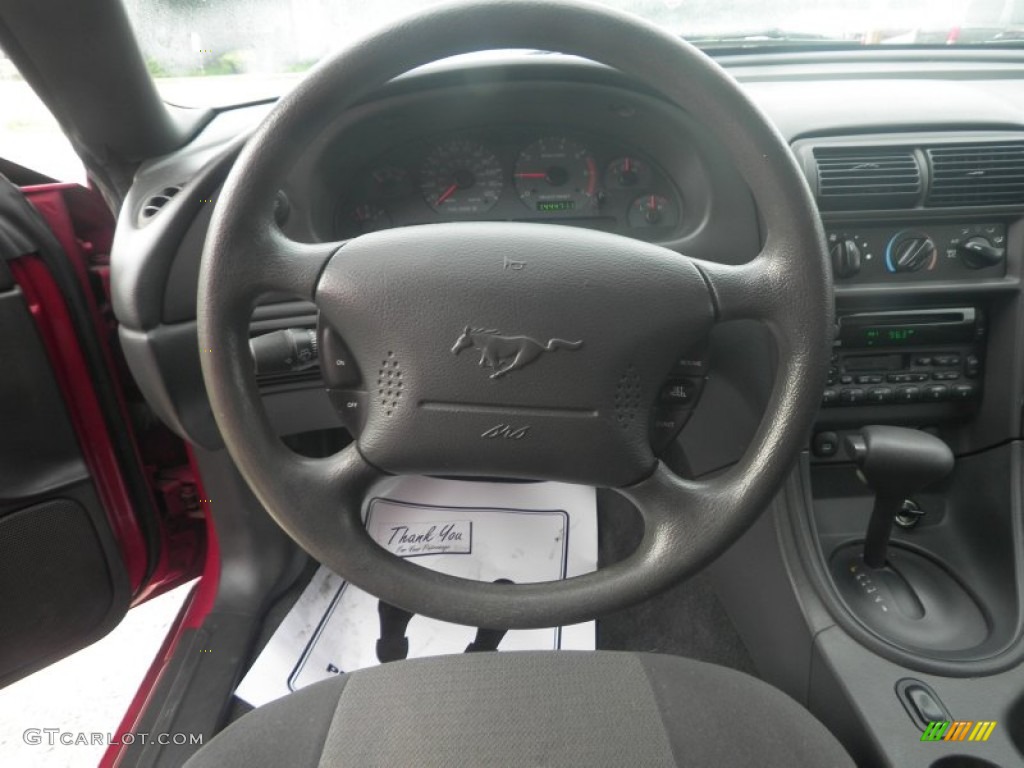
976	174
860	178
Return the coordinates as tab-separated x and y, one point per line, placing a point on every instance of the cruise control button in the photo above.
693	362
339	366
666	425
681	393
936	392
351	407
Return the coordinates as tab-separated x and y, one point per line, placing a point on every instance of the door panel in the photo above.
94	508
62	579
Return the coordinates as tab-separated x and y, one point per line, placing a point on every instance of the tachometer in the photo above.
461	177
555	175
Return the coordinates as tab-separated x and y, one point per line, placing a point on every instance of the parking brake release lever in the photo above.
894	462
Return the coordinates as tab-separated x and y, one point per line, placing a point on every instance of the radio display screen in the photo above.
909	328
888	335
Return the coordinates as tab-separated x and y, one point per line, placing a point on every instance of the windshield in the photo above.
216	52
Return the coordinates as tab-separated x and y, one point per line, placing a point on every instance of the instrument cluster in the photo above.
512	174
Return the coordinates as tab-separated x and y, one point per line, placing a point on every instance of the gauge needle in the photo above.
531	175
447	193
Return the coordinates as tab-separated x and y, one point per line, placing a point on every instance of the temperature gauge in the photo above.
653	211
362	219
627	173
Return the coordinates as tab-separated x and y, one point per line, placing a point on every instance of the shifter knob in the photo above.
894	462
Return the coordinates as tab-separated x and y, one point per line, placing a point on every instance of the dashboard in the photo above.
539	173
552	139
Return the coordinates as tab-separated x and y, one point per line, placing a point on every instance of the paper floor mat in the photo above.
521	532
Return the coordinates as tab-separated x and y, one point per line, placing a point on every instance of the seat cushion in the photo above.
530	709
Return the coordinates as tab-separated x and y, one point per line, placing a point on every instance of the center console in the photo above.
892	563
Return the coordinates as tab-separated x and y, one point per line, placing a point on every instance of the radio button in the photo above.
880	395
922	361
898	378
964	391
972	366
830	397
936	392
851	396
872	379
917	377
947	360
846	379
908	394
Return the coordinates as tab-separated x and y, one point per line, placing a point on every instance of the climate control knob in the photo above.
845	257
978	253
910	252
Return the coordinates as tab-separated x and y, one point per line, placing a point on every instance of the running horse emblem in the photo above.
504	354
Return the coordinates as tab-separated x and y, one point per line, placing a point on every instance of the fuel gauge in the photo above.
653	211
627	173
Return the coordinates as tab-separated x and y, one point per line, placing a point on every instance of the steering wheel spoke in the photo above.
288	266
750	291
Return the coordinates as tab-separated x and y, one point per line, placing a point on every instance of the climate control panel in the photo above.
917	252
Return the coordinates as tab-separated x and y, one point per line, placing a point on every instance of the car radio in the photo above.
907	356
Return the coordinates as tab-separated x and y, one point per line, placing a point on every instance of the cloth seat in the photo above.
557	708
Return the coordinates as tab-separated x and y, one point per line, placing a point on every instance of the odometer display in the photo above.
556	206
461	177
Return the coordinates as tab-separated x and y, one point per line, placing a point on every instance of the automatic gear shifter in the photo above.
894	462
902	593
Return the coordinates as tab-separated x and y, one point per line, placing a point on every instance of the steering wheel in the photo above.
589	327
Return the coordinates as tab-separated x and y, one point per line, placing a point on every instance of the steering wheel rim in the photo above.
319	502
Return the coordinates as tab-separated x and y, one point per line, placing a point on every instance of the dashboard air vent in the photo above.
153	205
976	174
862	178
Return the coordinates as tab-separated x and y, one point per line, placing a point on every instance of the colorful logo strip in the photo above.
958	730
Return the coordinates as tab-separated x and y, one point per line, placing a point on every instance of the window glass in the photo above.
29	133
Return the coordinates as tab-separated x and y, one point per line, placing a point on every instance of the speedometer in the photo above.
557	175
461	177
